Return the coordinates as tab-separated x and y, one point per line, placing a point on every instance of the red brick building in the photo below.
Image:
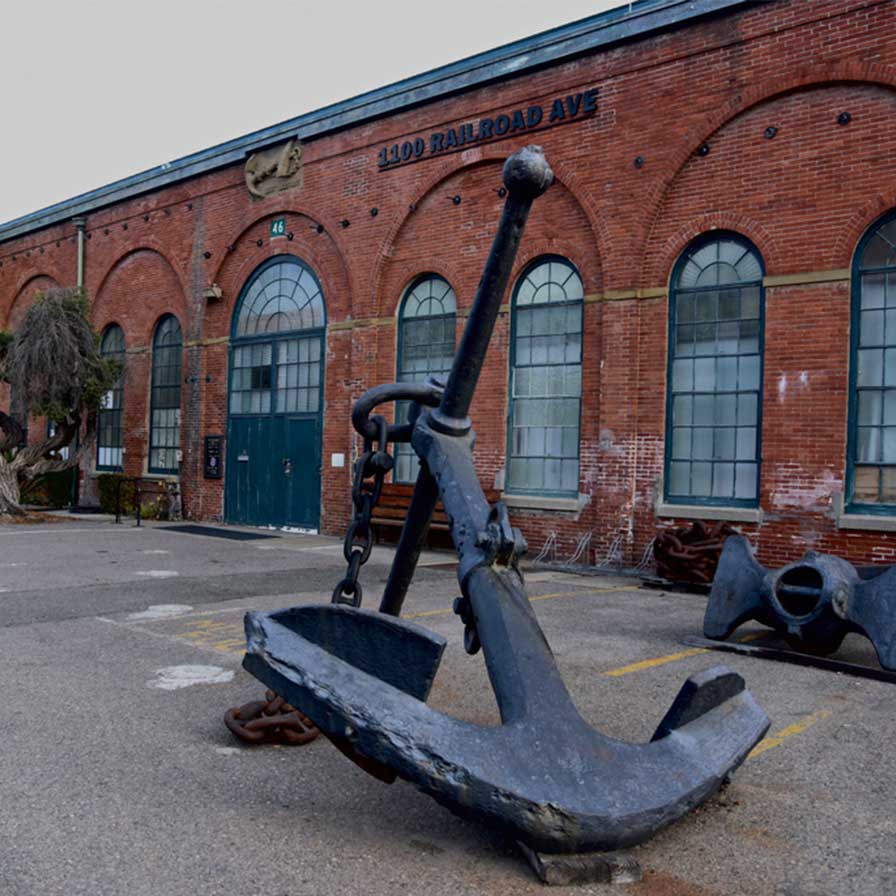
698	325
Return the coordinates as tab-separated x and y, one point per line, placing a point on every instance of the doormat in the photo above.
213	532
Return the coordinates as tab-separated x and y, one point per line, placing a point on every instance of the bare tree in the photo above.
54	368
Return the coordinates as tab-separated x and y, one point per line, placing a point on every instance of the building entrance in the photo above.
275	406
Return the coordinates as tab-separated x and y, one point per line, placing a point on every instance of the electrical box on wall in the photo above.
211	457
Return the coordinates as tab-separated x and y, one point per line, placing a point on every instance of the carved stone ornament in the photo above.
274	170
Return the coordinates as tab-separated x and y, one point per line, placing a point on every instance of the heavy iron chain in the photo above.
271	720
369	473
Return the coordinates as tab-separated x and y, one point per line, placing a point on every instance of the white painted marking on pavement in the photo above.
229	751
172	678
155	551
160	611
158	573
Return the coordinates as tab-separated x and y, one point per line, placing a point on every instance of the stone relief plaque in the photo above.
274	170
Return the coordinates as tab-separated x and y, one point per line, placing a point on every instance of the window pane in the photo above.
426	329
109	422
164	432
716	378
546	379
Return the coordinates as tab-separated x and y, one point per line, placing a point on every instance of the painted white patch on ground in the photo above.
172	678
160	611
155	551
228	751
8	565
158	573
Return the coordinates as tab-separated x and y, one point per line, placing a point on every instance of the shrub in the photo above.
106	484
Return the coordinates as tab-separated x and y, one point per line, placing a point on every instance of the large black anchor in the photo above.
813	603
364	676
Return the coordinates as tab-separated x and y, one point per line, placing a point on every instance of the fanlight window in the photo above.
276	368
109	434
715	367
426	327
285	296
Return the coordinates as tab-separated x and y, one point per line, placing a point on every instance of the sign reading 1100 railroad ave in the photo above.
538	117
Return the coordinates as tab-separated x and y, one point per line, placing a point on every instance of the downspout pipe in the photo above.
81	227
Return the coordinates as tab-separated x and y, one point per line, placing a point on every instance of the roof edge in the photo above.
510	60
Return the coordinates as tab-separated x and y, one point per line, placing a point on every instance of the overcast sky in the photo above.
96	90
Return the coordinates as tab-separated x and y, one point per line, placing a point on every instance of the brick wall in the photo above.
803	198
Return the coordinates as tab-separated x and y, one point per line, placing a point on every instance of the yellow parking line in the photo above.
443	611
214	634
655	661
229	645
670	658
769	743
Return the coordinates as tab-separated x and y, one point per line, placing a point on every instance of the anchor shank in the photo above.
520	664
526	176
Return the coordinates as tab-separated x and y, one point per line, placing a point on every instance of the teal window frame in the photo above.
167	367
277	339
404	454
858	272
515	366
705	239
109	420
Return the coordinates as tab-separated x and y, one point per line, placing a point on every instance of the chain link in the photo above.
369	473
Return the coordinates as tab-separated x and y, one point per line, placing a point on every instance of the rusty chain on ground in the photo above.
690	553
370	471
271	720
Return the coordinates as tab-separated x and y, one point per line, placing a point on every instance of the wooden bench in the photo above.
390	513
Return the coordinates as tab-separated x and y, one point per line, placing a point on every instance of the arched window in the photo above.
164	432
270	373
714	398
109	434
545	380
871	476
426	326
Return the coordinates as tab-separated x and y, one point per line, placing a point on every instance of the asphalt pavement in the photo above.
120	651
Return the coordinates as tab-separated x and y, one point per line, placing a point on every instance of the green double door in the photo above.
273	471
273	461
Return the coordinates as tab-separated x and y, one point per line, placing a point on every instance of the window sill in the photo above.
542	502
710	512
869	522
